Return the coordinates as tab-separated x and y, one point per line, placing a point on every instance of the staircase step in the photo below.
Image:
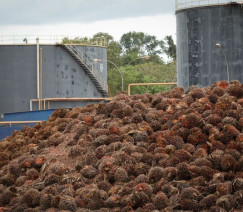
86	69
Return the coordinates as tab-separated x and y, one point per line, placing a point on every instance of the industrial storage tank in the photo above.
32	72
209	41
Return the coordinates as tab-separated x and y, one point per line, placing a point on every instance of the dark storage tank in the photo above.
68	71
200	26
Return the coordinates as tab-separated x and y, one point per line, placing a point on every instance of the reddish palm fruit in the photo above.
207	172
89	120
224	188
140	136
217	145
20	181
112	201
123	158
189	204
45	201
232	113
55	201
192	120
238	197
218	91
89	172
140	168
75	151
26	163
239	165
235	90
160	201
215	158
199	153
127	111
213	98
195	171
6	197
183	133
222	84
156	100
67	203
151	116
144	187
229	121
155	125
197	93
32	174
15	169
58	168
100	151
196	136
236	154
183	155
240	138
189	148
238	184
155	174
227	162
183	172
51	179
104	185
177	141
224	102
208	201
213	119
201	162
197	181
226	202
31	198
191	193
230	129
141	194
169	173
114	128
8	179
142	178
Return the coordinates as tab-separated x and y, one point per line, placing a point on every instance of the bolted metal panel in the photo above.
62	76
199	62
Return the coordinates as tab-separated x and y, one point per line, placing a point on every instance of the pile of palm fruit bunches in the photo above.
180	150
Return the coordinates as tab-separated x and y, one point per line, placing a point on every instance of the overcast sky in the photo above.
87	17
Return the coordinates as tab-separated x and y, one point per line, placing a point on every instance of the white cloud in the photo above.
27	12
159	25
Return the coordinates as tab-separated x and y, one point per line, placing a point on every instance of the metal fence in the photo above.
50	39
184	4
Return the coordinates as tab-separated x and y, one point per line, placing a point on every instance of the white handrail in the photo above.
184	4
89	65
47	39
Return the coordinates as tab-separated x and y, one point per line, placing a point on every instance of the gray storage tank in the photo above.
68	71
200	26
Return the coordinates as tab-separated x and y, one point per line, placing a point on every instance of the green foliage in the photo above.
76	40
127	53
140	44
169	47
142	73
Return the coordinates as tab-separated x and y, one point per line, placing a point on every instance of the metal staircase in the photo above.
88	67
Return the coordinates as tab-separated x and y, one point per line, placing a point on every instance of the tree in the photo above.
109	38
136	44
169	47
76	40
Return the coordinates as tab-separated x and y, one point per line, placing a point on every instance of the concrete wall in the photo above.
199	62
62	76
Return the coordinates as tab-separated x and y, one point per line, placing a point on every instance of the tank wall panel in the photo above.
62	77
17	77
199	62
